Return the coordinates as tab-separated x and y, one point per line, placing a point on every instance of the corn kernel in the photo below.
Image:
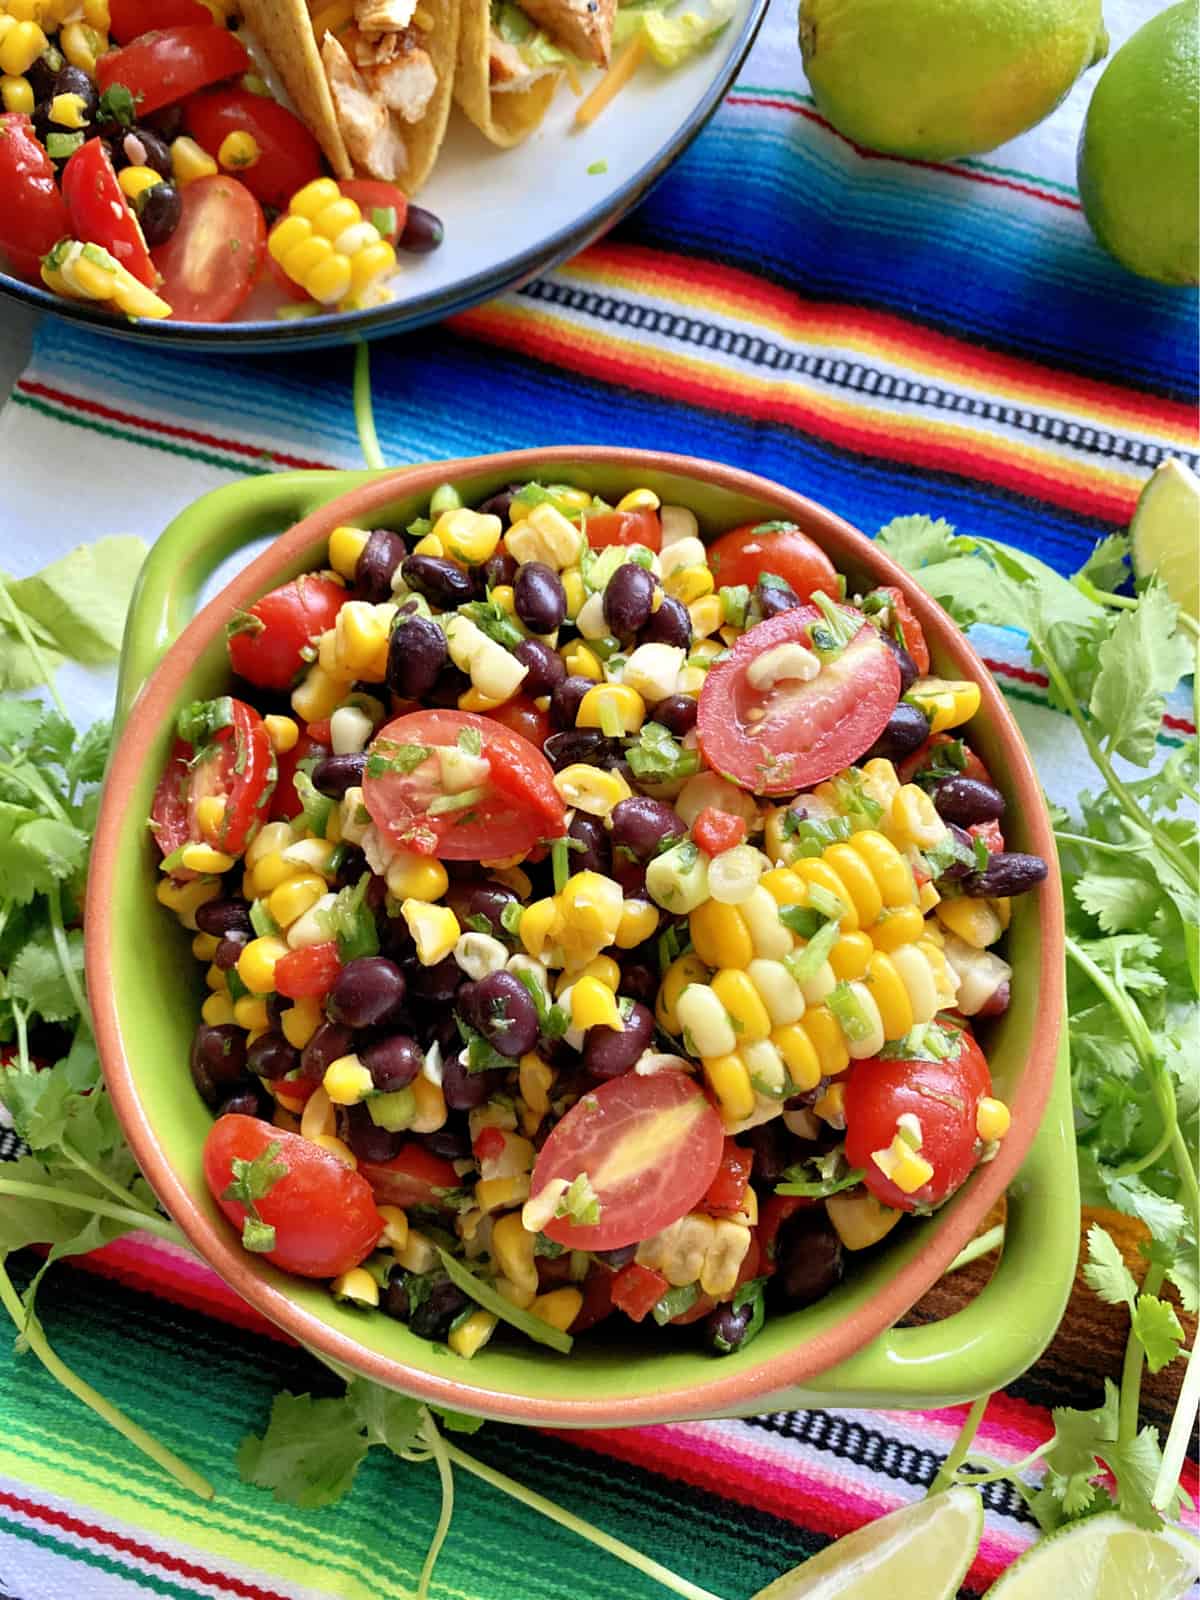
859	1218
504	596
576	597
799	1056
851	955
682	971
133	180
301	1020
205	946
282	732
497	1194
947	703
594	1005
16	94
913	819
318	695
705	1023
414	877
602	967
185	899
256	964
238	150
468	536
992	1119
729	1080
347	1081
831	1107
335	1147
534	1079
540	925
216	980
250	1012
827	1039
20	47
690	584
639	921
591	906
317	1116
559	1307
434	929
294	897
270	872
430	545
892	874
203	858
974	921
190	161
357	1286
581	662
472	1333
899	925
345	546
720	935
217	1010
736	992
473	700
903	1166
639	500
210	816
612	707
588	789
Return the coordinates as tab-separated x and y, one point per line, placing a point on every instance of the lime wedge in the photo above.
1103	1558
923	1549
1165	532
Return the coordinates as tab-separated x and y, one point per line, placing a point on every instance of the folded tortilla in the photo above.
505	114
367	120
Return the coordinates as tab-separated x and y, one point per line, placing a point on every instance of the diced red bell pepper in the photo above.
728	1188
489	1145
715	830
636	1290
990	833
311	971
771	1217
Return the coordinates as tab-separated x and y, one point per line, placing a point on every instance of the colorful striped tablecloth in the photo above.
886	336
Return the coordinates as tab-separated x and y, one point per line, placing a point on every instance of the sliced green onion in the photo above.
611	724
805	964
675	1302
492	1300
804	920
826	902
850	1012
461	801
261	920
560	863
383	219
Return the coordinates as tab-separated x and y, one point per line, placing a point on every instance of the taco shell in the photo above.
505	116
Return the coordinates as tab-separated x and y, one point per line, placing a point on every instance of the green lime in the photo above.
940	78
921	1550
1103	1558
1139	157
1165	532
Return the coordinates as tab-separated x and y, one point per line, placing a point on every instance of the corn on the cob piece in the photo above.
88	272
325	245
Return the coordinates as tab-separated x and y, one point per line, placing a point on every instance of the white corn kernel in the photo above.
478	954
677	523
350	728
733	874
653	670
687	551
591	621
785	663
311	928
777	990
706	1021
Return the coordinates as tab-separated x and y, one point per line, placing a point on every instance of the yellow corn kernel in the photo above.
133	180
256	964
707	615
238	150
890	994
690	584
317	1118
269	840
720	935
468	536
513	1250
831	1107
435	929
370	262
992	1119
639	500
919	980
799	1056
500	1194
825	1033
216	980
472	1333
602	967
327	280
301	1020
899	925
736	992
357	1287
859	1219
210	816
250	1012
475	700
729	1080
913	819
205	946
414	877
576	594
591	906
815	870
943	975
902	1165
185	899
639	921
282	732
347	1081
947	703
360	630
314	197
854	871
540	925
613	707
784	887
203	858
22	44
879	780
294	897
430	545
504	596
974	921
581	662
270	872
588	789
395	1227
559	1307
317	696
1003	909
682	971
345	546
217	1010
535	1078
190	161
594	1005
850	956
16	94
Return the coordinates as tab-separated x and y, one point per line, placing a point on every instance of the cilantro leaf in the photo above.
1105	1269
79	602
1159	1329
36	978
310	1451
1142	659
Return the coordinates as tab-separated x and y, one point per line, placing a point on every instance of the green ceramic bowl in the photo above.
147	989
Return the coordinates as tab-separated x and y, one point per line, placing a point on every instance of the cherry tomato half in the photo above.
927	753
522	716
236	764
906	630
604	528
374	197
285	802
171	63
324	1215
33	217
288	155
743	554
597	1299
728	1189
650	1147
99	212
129	19
513	807
795	733
265	642
413	1177
170	818
311	970
944	1096
212	261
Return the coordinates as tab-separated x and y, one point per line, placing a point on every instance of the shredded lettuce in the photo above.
673	40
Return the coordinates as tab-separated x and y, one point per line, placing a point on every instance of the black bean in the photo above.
505	1014
670	624
644	826
628	599
394	1301
437	984
432	1318
967	801
771	1147
440	581
230	948
377	563
677	714
73	80
167	123
631	875
590	832
366	992
248	1101
417	653
142	147
908	667
277	1004
335	774
499	570
725	1328
42	73
587	745
330	1041
393	1061
351	867
271	1056
617	1258
607	1052
808	1258
906	731
539	597
546	669
464	1090
449	688
639	980
218	1059
472	897
160	211
566	700
422	233
775	597
1008	872
220	917
368	1141
452	1141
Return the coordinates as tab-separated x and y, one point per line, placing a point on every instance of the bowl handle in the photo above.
1008	1324
191	549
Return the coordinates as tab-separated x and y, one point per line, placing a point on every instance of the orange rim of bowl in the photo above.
217	1245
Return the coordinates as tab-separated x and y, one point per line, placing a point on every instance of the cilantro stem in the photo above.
33	784
431	1433
945	1474
981	1246
1103	845
1131	1369
31	1329
94	1173
34	648
95	1203
22	1024
585	1530
364	410
1182	1429
1001	1473
58	933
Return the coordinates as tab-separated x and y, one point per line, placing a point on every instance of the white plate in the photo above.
508	214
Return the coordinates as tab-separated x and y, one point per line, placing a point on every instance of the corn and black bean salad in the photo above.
594	920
